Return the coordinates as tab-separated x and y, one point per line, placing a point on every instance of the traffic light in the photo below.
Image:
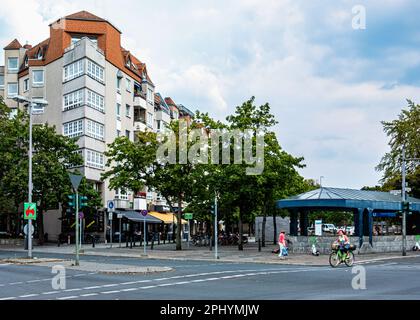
406	206
212	209
82	201
71	202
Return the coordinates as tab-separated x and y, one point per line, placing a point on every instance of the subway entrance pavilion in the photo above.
365	206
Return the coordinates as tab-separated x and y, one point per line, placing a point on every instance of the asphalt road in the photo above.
192	280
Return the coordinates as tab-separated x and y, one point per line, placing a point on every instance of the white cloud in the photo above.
215	55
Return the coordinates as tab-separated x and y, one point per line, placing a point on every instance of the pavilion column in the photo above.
356	222
360	225
293	222
304	217
370	225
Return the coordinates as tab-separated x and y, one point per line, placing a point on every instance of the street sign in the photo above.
188	216
318	227
110	215
25	229
143	212
29	211
119	216
81	215
111	205
75	180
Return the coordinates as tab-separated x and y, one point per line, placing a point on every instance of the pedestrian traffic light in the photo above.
71	201
406	206
212	209
83	201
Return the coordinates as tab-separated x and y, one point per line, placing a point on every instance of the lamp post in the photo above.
31	103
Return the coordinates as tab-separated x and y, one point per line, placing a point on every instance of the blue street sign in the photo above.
111	205
143	212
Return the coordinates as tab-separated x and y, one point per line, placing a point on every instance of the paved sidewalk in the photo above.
231	254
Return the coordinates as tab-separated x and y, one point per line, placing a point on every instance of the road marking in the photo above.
29	295
5	264
110	292
67	298
129	289
50	292
14	283
149	287
7	298
88	294
70	290
110	285
90	288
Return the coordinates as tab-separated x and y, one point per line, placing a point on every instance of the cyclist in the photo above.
343	242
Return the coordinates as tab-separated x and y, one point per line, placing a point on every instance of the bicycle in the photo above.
339	256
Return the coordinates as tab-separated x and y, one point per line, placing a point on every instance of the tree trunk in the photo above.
264	222
9	223
274	227
241	231
179	226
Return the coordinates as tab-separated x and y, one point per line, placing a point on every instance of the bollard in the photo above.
259	245
93	242
68	239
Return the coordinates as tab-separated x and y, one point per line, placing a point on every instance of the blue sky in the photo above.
328	84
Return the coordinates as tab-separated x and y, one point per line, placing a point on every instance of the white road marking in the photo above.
50	292
29	295
129	289
67	298
7	298
88	294
110	292
14	283
5	264
149	287
70	290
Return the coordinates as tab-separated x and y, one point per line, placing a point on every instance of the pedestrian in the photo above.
282	244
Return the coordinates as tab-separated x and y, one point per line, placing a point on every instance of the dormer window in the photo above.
39	54
128	64
26	61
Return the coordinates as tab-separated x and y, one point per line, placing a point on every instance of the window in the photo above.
39	54
12	89
158	124
38	77
73	129
95	101
12	64
73	100
127	111
128	85
150	119
127	133
94	159
75	39
118	133
1	81
26	61
73	70
95	129
26	85
118	110
118	83
95	71
150	95
121	194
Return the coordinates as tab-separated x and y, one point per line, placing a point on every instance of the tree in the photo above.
403	131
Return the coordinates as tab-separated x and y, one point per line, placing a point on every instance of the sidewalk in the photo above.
227	254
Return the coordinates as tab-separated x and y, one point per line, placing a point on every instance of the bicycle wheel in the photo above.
334	259
350	260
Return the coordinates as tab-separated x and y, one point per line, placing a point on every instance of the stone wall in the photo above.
301	244
282	224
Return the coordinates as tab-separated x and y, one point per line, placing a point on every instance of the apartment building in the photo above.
96	91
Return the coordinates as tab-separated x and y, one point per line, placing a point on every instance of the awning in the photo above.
167	218
136	216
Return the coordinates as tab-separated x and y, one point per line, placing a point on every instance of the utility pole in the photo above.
404	214
77	227
30	182
216	256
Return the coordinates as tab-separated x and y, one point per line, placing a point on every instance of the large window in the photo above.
128	85
74	99
118	111
94	159
128	111
12	64
95	71
1	81
12	89
38	77
95	101
150	119
73	70
73	129
150	95
122	194
95	129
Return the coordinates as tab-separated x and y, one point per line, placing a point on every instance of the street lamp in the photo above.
31	104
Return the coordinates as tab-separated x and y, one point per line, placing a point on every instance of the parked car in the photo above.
329	227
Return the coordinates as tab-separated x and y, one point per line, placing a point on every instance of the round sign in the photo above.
81	215
25	229
143	212
111	205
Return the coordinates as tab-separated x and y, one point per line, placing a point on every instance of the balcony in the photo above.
140	101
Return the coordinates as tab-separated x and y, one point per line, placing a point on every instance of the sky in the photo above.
329	85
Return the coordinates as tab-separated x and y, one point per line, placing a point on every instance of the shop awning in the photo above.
136	216
167	218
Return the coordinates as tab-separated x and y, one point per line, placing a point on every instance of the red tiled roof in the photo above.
170	102
84	15
15	44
